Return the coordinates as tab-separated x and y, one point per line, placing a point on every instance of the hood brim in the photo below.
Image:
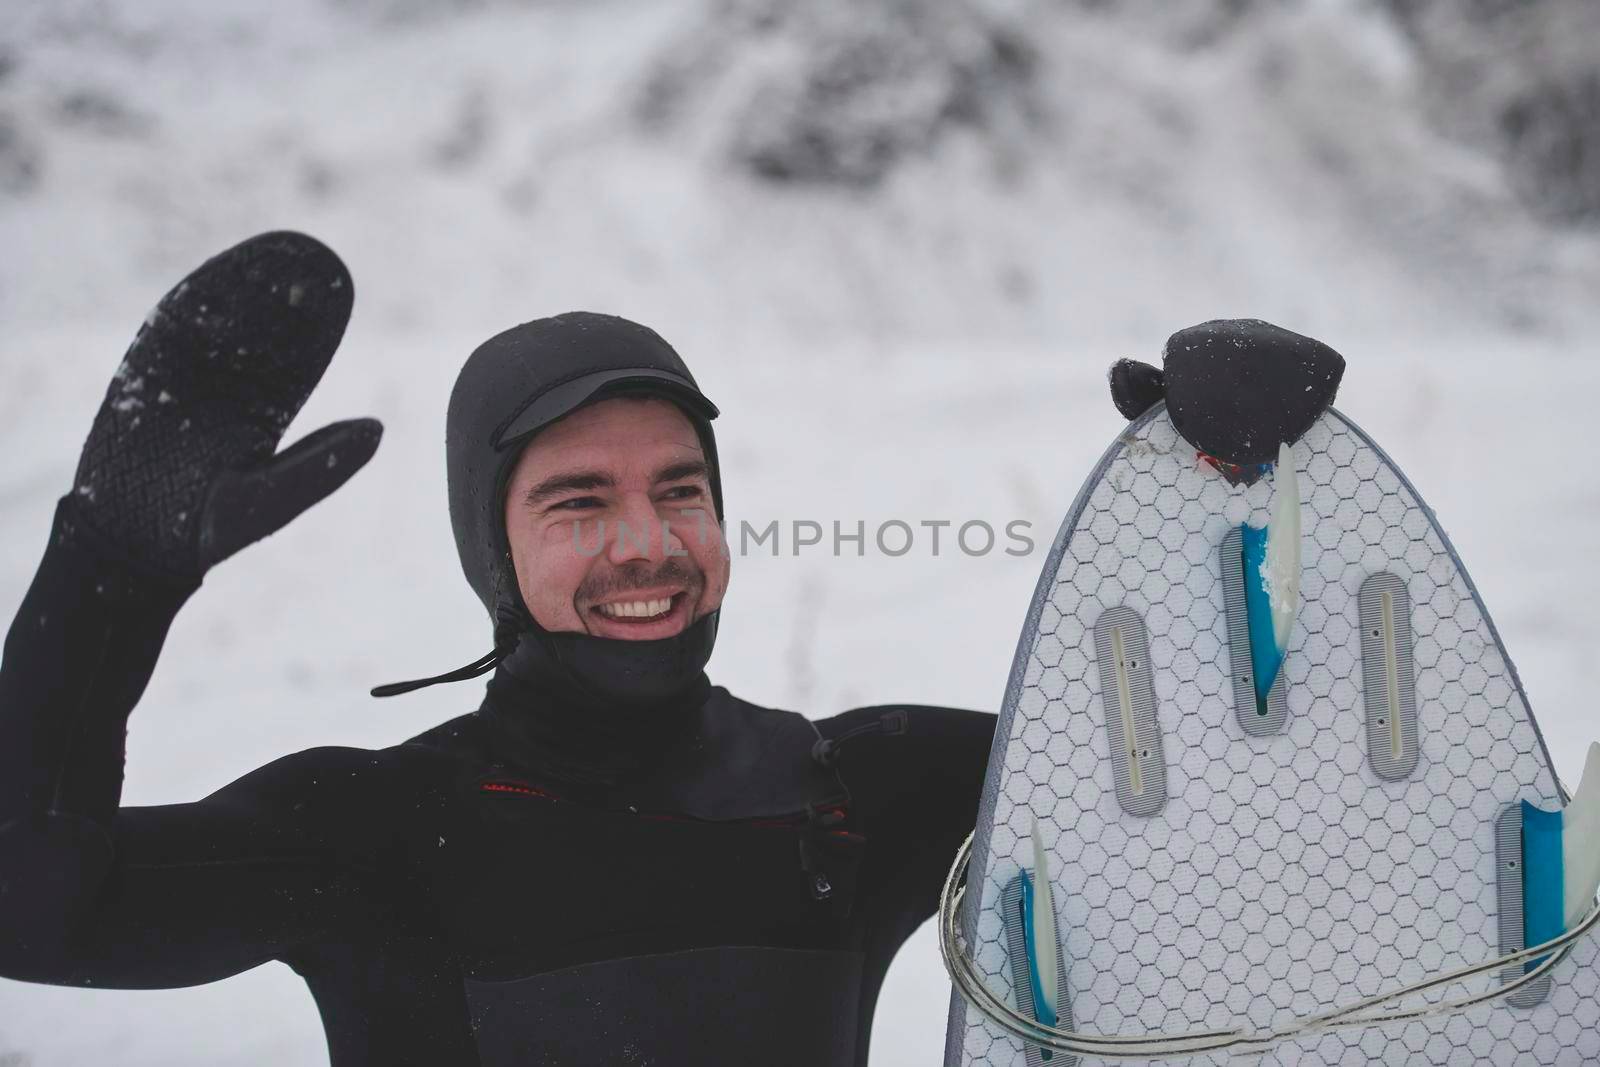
563	399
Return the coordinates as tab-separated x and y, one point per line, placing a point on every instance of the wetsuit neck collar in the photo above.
589	710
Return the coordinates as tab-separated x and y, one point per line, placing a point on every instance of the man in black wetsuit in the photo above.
610	861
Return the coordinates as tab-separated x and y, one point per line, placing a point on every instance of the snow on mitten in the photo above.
181	468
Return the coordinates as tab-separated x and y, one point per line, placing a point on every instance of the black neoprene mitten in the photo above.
179	470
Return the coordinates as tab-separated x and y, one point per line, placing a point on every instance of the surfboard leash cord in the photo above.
969	982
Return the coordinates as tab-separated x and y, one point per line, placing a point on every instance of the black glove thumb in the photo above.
1135	386
246	505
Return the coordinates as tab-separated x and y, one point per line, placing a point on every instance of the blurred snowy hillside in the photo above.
898	242
917	170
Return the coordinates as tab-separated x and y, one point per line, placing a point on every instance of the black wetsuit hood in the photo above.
511	387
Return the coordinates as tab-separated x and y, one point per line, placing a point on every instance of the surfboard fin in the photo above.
1030	917
1580	841
1561	859
1033	946
1042	942
1272	577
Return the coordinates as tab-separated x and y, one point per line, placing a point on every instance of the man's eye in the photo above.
577	503
683	492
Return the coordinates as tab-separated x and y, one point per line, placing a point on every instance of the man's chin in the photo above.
672	622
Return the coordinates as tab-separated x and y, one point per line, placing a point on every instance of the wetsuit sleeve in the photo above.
150	897
916	793
915	796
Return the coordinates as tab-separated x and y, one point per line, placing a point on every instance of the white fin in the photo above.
1044	920
1580	842
1584	807
1281	567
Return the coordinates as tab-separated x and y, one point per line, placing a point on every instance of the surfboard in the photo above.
1219	857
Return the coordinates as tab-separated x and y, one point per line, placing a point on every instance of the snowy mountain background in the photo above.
899	243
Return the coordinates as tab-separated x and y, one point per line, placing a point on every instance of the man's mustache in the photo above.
641	576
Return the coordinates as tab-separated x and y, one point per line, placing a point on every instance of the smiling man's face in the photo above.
611	523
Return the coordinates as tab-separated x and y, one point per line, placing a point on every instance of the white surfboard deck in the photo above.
1282	875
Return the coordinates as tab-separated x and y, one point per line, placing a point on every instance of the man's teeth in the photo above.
637	609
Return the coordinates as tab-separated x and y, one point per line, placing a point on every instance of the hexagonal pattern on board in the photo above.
1283	876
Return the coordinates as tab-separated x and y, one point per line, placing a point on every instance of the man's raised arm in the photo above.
179	472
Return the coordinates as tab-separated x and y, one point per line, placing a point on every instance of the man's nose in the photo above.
642	533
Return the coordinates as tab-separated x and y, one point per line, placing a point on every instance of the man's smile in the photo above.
641	614
637	609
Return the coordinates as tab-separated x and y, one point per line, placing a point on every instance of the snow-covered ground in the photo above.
933	347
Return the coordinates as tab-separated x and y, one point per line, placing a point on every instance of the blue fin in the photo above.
1265	656
1042	1011
1543	880
1272	578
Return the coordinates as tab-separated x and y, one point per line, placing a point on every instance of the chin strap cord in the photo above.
482	665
